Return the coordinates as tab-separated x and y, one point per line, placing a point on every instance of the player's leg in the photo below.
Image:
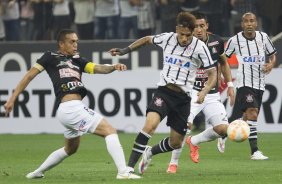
174	141
104	129
56	157
156	111
175	155
67	114
140	145
195	109
251	100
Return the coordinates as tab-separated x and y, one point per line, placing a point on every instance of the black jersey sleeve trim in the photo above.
274	52
228	45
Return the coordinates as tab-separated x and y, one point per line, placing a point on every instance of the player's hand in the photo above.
119	51
8	106
201	97
120	67
230	93
267	68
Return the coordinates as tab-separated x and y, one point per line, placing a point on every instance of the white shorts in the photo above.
77	118
212	108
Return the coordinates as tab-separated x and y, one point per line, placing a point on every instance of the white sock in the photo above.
205	136
175	154
115	149
52	160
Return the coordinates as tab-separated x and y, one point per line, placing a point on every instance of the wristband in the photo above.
230	84
125	50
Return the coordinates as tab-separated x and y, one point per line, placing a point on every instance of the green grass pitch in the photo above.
20	154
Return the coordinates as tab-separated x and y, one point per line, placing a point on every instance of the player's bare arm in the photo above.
271	63
105	69
212	77
29	76
134	46
225	69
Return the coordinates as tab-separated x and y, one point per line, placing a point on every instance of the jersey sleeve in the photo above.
230	48
86	65
270	49
162	39
42	63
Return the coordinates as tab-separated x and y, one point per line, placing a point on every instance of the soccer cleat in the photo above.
172	168
146	159
221	144
258	156
127	175
194	150
34	175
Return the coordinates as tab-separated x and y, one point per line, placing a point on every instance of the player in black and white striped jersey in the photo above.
217	119
251	48
182	55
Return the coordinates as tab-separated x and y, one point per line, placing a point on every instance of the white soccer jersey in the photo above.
180	63
251	57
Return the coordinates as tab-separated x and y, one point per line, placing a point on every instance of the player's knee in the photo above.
71	151
175	143
221	129
252	114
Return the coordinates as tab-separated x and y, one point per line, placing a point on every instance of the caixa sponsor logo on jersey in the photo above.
71	85
177	61
254	59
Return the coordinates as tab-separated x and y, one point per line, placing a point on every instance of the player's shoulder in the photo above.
214	40
214	37
165	34
263	34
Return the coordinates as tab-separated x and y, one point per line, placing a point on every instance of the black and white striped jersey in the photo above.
180	63
251	56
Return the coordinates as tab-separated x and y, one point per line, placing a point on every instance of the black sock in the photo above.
162	147
138	148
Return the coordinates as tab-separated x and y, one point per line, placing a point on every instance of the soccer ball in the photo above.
238	131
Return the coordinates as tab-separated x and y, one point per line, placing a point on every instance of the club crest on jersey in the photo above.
249	98
177	61
158	102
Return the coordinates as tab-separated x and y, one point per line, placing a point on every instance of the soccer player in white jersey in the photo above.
182	55
250	47
218	118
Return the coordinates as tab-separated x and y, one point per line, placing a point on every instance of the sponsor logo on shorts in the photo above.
159	102
249	98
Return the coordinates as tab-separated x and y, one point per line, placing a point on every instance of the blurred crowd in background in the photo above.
127	19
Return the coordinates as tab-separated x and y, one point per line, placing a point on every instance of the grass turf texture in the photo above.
21	154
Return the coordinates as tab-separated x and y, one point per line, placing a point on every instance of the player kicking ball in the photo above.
212	107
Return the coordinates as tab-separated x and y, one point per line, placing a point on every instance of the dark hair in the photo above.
62	34
186	19
200	15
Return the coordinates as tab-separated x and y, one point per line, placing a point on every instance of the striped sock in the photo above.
138	148
162	147
253	135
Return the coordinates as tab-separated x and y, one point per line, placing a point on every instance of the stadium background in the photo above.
120	97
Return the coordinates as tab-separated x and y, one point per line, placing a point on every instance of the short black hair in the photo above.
62	34
200	15
186	19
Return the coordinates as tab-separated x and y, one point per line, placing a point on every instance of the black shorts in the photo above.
249	97
176	106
